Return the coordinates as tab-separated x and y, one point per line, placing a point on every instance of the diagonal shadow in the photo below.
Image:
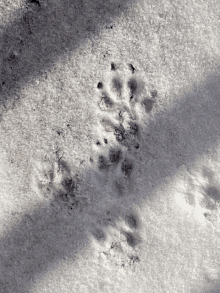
34	246
183	134
39	35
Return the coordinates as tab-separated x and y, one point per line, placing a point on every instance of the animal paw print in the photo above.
43	179
203	194
121	248
123	183
54	182
117	168
120	100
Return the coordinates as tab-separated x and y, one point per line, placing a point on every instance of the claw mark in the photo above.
113	66
132	68
100	85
